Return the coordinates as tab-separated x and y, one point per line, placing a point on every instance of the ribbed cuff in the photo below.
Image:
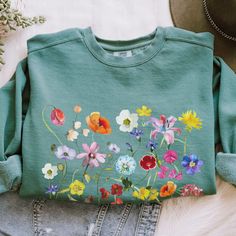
226	166
10	173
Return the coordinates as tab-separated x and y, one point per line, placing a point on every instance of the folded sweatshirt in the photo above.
113	121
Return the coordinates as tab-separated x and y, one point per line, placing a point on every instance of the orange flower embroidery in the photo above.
168	189
98	124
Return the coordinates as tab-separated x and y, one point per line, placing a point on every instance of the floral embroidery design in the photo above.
147	165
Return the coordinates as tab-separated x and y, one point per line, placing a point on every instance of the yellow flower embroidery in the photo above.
190	119
146	194
77	188
144	111
153	195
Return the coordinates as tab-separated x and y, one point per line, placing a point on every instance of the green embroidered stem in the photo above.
148	180
185	145
176	168
141	180
133	153
85	170
73	176
179	140
162	141
50	194
48	127
92	137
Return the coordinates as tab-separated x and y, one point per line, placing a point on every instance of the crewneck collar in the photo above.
103	49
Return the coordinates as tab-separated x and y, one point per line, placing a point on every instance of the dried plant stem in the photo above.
10	20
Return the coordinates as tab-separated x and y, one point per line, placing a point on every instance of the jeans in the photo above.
55	218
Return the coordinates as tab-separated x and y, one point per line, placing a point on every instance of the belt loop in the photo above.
124	216
100	219
148	219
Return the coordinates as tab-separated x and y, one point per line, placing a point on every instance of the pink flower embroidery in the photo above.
91	155
165	126
174	175
57	117
191	190
162	173
170	156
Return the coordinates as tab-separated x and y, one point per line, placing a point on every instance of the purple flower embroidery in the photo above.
53	189
151	144
136	133
65	153
129	147
192	164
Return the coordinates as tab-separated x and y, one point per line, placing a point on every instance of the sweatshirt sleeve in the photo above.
14	98
225	113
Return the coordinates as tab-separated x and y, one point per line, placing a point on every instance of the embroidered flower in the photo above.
192	164
72	135
57	117
105	193
191	190
137	133
60	166
144	111
129	147
113	148
85	132
146	194
170	156
125	165
91	155
77	124
116	189
127	121
52	189
98	124
153	194
77	109
77	188
49	171
152	144
162	174
168	189
89	199
65	153
118	201
174	175
165	127
148	162
190	119
142	193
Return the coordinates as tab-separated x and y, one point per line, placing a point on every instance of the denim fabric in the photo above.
21	217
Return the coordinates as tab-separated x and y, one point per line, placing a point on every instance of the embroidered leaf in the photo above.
53	147
127	183
64	190
71	198
87	178
109	169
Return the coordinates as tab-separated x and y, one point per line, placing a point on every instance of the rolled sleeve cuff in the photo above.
226	166
10	174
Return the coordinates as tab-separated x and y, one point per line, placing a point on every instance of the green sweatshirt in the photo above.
94	120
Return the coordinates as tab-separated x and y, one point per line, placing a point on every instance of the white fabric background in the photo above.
126	19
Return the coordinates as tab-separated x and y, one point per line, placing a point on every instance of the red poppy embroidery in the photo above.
116	189
148	162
